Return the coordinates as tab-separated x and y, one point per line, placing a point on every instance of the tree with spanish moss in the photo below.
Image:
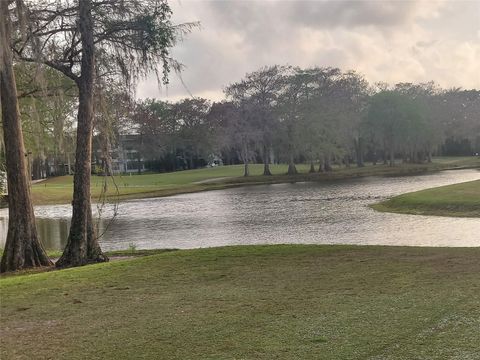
121	40
261	89
22	248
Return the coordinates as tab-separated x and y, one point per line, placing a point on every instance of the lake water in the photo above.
299	213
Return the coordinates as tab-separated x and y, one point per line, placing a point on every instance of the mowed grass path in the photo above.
252	302
452	200
59	190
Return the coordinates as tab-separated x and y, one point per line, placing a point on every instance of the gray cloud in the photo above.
351	14
385	40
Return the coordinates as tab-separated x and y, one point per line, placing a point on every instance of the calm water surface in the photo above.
303	213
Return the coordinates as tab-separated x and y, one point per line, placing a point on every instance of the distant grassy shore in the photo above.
59	190
250	302
451	200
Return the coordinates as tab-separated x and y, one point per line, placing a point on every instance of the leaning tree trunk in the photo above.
266	161
22	247
82	245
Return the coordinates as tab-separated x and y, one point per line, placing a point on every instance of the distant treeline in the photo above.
317	115
276	114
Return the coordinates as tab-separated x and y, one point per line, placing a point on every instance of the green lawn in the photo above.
59	190
452	200
252	302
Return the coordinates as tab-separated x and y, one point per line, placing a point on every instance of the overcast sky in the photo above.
391	41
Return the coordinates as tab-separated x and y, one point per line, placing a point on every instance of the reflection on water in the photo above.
319	213
52	231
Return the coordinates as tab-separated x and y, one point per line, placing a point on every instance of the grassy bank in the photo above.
252	302
59	190
451	200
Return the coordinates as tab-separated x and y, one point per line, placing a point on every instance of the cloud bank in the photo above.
390	41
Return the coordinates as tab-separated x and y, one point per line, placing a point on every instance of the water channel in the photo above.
300	213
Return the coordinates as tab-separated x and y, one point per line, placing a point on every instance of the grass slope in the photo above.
451	200
59	190
252	302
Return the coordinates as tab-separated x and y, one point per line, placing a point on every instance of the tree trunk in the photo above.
190	162
82	245
392	156
174	158
246	170
22	247
37	168
385	153
292	170
266	161
139	163
106	156
48	173
321	165
312	167
69	166
359	152
328	166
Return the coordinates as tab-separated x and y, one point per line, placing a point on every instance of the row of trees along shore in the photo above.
67	73
315	115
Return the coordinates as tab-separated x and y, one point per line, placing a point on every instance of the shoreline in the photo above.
56	197
456	200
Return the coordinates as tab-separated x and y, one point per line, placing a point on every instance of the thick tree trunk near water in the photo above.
327	163
321	165
82	245
22	247
266	161
246	171
292	169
